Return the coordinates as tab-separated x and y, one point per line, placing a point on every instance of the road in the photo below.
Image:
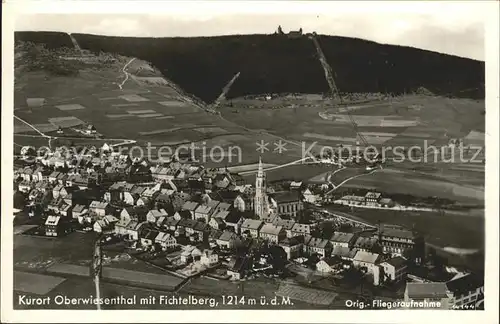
335	187
275	167
126	73
50	138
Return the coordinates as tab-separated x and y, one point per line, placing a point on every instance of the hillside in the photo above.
277	64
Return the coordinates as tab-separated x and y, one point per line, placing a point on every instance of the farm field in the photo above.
408	116
418	184
35	283
448	230
160	115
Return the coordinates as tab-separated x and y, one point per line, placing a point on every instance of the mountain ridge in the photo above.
278	64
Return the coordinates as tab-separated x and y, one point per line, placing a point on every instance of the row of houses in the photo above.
371	199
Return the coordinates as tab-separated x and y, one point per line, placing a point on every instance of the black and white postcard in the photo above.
254	161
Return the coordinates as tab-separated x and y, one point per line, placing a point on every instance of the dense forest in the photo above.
278	64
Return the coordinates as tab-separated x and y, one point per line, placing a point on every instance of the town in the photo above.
190	221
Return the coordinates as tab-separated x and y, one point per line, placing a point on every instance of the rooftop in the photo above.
286	196
465	284
397	262
253	224
342	237
271	229
189	205
420	290
227	235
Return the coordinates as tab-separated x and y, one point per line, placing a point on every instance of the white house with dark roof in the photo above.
105	224
328	265
310	197
395	269
217	222
166	241
153	215
370	261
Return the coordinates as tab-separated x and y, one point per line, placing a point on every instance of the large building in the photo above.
397	241
261	202
287	203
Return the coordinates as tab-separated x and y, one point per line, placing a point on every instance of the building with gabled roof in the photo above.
344	253
287	203
227	239
53	226
165	240
315	245
293	246
203	212
370	262
343	239
395	269
100	209
300	229
287	225
153	215
253	226
364	243
190	206
272	233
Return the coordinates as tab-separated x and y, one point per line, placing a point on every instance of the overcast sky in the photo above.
453	29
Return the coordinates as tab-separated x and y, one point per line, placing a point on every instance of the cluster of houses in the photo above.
186	206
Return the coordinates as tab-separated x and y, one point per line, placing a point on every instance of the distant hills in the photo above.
278	64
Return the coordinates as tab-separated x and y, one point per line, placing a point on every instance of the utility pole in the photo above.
96	270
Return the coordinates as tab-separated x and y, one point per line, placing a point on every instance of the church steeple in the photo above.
260	200
260	172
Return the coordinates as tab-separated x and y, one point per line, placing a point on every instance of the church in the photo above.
283	203
261	200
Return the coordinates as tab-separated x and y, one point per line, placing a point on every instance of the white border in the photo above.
488	8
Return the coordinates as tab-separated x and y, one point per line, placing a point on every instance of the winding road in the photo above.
127	75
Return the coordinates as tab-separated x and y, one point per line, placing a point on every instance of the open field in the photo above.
445	230
418	184
35	283
312	296
162	116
